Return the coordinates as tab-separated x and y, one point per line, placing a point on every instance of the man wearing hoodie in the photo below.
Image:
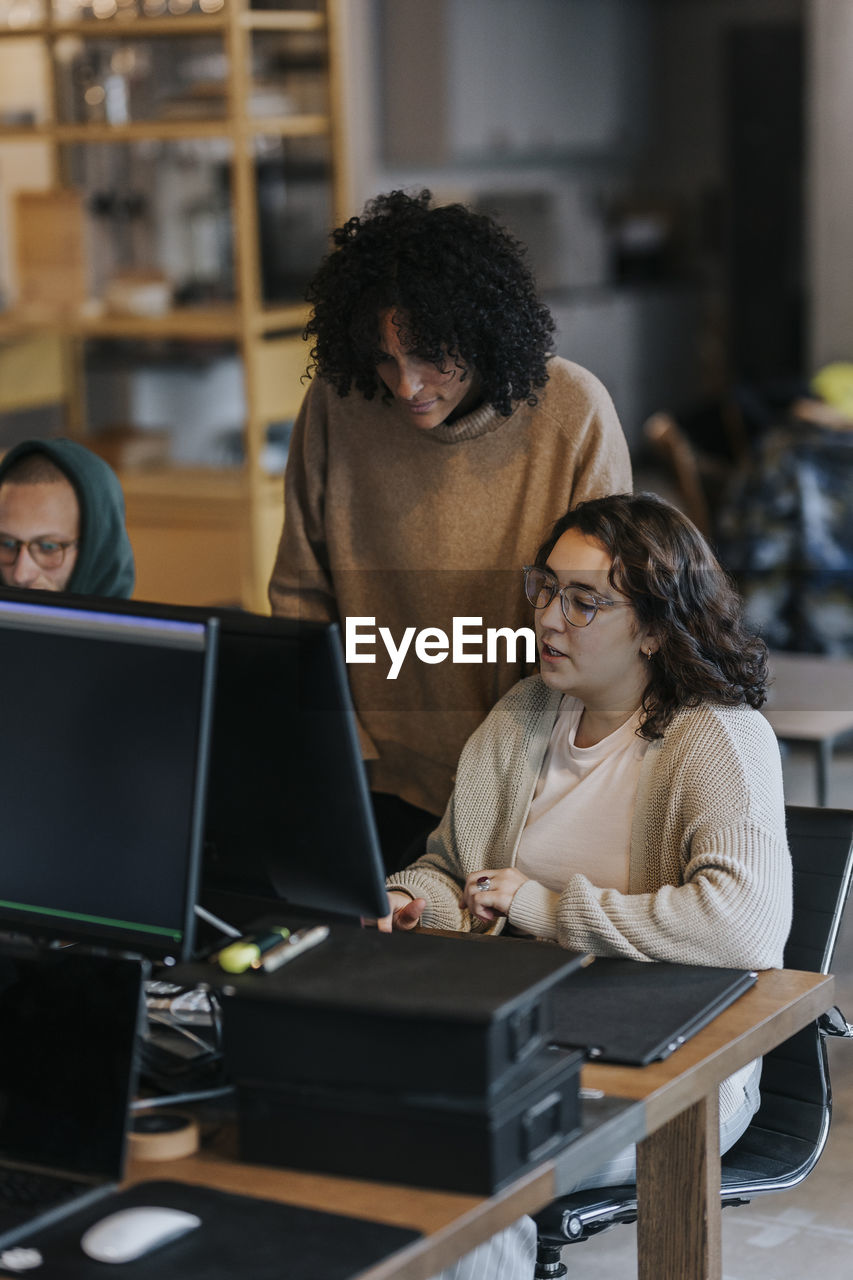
62	521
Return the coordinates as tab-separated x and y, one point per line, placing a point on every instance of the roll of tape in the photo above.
163	1135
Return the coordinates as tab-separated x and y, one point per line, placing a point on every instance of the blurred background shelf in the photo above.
191	163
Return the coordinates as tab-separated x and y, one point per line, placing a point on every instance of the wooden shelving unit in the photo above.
200	535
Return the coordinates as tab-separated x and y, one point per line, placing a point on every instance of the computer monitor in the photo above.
289	817
105	722
289	814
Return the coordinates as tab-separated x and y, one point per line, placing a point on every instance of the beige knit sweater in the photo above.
710	872
414	528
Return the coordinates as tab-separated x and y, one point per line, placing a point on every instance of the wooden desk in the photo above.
669	1107
678	1165
811	701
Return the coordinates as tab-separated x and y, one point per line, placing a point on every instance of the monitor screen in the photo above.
106	723
72	1018
289	814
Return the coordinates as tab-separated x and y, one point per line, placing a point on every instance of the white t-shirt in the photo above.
580	821
583	806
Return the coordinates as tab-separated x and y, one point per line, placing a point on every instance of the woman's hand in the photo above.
405	912
487	903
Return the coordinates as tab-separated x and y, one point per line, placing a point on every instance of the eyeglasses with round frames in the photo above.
48	553
578	605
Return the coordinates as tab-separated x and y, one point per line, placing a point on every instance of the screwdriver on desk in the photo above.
293	946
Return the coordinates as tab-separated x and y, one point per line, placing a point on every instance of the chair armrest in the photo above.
834	1023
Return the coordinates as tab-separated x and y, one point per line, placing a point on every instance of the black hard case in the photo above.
416	1012
468	1144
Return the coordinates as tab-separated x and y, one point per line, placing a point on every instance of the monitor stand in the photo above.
222	925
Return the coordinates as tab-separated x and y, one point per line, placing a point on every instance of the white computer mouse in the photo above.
131	1233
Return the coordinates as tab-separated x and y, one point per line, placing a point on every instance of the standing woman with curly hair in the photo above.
437	439
627	801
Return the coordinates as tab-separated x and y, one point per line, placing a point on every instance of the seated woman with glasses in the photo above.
62	521
627	800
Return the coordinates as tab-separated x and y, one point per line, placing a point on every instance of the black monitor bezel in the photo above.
44	927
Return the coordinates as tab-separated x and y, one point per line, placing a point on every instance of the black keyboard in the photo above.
24	1189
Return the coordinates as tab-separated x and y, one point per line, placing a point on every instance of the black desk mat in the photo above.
240	1236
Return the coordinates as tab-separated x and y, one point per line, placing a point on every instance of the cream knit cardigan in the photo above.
710	872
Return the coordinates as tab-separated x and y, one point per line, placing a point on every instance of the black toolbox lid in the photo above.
465	977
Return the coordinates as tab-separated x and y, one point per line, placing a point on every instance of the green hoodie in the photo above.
104	555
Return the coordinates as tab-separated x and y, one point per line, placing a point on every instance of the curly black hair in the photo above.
681	594
462	288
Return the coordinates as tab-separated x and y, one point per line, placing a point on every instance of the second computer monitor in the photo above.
289	814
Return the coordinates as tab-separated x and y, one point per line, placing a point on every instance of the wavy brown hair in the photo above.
680	593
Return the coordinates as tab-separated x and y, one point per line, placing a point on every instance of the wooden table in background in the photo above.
811	702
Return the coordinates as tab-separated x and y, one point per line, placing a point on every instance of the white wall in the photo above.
542	100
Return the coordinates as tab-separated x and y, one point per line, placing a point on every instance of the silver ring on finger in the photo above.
483	884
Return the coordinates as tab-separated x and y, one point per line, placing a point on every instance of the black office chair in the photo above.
788	1132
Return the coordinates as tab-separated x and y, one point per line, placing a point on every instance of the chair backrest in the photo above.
788	1133
821	844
